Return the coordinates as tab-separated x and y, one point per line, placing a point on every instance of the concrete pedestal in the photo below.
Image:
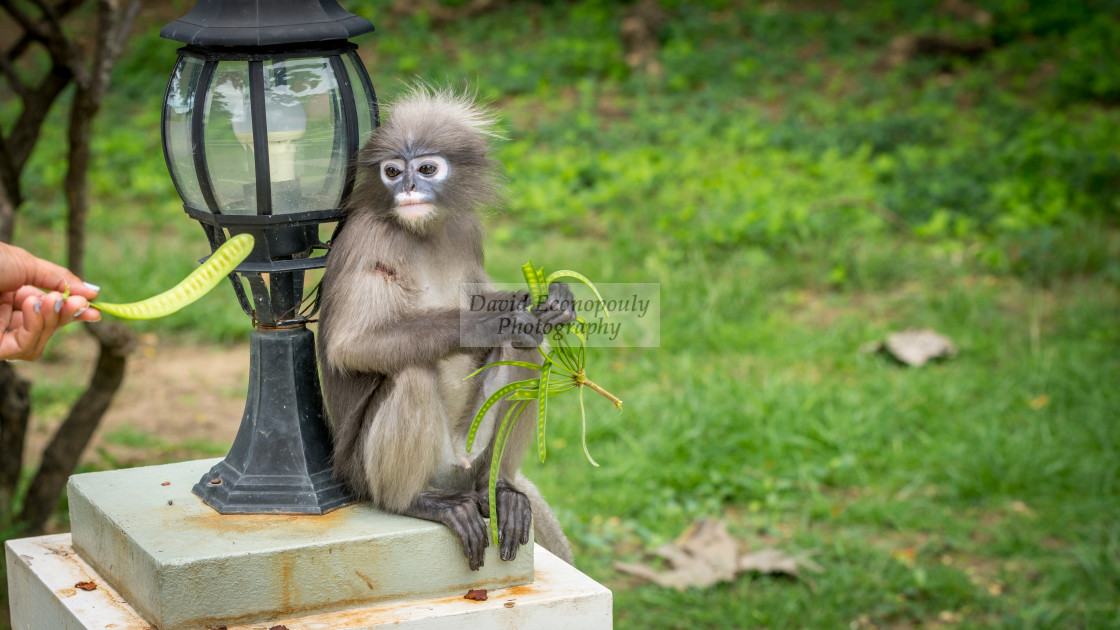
43	572
159	554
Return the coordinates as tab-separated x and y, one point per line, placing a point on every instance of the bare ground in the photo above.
174	393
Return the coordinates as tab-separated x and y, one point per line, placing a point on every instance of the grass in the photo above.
981	490
795	198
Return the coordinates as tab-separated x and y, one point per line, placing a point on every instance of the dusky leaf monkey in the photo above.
396	339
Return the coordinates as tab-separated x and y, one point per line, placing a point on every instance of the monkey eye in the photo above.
427	169
392	171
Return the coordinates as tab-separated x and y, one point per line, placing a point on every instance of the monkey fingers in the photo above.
559	308
515	520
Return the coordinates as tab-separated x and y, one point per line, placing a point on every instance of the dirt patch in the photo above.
174	392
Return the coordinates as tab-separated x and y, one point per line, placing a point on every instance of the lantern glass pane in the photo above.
177	130
306	133
228	137
362	98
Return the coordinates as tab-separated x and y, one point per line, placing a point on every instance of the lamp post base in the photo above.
280	460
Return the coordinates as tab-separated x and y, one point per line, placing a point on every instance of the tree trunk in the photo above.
15	409
65	448
68	64
77	181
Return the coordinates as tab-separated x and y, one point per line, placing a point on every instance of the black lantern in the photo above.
265	109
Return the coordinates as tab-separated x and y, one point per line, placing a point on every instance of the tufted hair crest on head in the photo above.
427	119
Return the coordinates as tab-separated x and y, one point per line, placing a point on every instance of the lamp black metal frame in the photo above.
280	459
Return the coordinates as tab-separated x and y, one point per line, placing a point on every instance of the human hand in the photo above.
28	316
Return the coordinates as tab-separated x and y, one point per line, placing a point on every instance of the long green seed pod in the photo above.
194	286
490	402
542	409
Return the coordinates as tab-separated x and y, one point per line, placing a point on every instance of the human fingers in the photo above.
77	308
23	330
49	310
20	267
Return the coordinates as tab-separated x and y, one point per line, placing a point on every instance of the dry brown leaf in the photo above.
706	555
776	561
86	586
917	347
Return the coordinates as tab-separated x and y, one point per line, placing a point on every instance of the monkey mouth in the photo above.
414	210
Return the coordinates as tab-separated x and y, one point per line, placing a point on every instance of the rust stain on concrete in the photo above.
365	578
225	524
286	585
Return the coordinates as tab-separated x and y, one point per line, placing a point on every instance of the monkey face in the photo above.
431	160
415	185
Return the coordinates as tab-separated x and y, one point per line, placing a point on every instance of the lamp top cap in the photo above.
265	23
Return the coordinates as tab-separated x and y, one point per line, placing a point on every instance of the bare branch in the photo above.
125	26
62	48
113	26
32	29
116	25
8	201
62	10
14	79
25	133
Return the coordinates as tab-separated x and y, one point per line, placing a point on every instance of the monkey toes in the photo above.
515	520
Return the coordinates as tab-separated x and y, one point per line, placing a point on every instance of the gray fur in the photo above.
390	331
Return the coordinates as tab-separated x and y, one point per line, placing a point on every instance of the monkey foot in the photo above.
515	520
459	511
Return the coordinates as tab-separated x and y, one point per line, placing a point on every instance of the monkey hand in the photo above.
504	319
515	519
559	308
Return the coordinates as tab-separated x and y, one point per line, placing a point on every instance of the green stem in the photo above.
582	379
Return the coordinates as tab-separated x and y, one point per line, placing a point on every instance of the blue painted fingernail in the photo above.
80	311
92	287
38	304
58	305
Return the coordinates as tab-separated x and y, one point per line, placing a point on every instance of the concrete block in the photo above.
43	572
182	565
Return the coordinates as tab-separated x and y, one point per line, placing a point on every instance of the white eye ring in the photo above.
391	170
436	162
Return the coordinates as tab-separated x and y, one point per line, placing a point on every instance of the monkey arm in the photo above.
424	337
387	347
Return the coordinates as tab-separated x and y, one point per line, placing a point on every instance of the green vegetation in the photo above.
796	193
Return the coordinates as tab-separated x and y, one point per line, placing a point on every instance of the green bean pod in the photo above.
194	286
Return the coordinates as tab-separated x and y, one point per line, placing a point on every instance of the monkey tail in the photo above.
546	527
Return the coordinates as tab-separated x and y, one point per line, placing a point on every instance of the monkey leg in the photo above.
409	461
515	517
459	511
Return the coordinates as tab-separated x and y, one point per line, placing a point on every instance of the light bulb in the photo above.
287	122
